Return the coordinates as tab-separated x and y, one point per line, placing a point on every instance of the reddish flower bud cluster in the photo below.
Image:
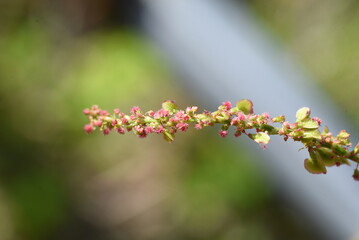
324	149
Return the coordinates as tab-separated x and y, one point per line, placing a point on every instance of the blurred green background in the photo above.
59	57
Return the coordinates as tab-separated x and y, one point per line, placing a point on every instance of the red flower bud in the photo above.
88	128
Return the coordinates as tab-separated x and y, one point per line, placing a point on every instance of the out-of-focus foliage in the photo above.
324	36
56	182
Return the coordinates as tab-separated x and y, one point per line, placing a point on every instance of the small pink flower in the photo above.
114	122
148	129
234	121
241	117
161	113
124	120
228	105
120	130
286	124
159	129
106	131
86	111
116	111
139	129
182	126
318	120
103	113
237	133
142	135
94	107
150	113
265	115
135	109
223	133
172	120
98	123
263	146
198	126
180	115
88	128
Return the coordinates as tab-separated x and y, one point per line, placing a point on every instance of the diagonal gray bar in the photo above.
227	56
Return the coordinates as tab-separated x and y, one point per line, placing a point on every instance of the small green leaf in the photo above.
339	149
314	166
325	130
280	119
327	156
204	117
342	160
302	114
343	134
169	137
310	124
245	105
261	137
233	110
170	106
311	134
270	129
356	149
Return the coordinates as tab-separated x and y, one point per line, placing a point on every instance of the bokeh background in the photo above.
59	57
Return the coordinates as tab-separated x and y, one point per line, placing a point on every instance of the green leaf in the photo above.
310	124
356	149
342	160
311	134
314	166
325	130
280	119
327	156
302	114
169	137
339	149
261	137
170	106
343	134
245	105
204	117
270	129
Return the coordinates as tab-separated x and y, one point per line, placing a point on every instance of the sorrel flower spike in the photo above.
324	149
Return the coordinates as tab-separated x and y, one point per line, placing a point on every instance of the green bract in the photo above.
261	137
279	119
302	114
314	166
170	106
327	156
169	137
311	134
356	149
309	124
245	106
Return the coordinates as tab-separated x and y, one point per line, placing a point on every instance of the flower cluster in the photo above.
324	149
